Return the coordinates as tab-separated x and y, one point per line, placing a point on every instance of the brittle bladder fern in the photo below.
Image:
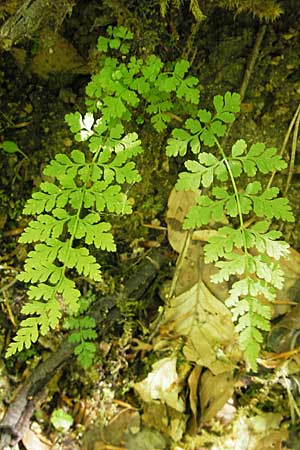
86	184
68	222
247	256
122	94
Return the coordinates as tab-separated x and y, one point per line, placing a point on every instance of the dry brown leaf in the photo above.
291	290
193	382
165	419
207	324
215	391
162	383
190	268
32	441
285	331
178	205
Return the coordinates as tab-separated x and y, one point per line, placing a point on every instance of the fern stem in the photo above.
72	237
237	197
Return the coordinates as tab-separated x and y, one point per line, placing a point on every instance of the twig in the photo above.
180	262
293	154
252	60
9	311
6	301
286	138
155	227
249	70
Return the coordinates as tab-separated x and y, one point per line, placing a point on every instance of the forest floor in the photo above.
99	409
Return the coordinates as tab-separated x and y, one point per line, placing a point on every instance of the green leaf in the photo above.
167	83
218	103
81	126
70	294
61	420
178	144
222	244
267	205
204	115
208	159
254	188
217	128
235	265
187	90
85	354
238	148
232	102
80	259
261	227
160	121
193	125
181	68
152	68
78	156
188	181
102	44
203	213
26	335
11	147
121	32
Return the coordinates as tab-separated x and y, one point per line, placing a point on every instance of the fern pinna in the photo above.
247	256
68	222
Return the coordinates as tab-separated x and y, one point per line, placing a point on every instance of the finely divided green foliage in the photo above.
124	93
250	254
68	222
82	332
127	84
83	185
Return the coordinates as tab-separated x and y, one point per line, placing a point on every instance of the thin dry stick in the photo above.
286	138
252	60
249	70
293	154
6	301
9	311
180	261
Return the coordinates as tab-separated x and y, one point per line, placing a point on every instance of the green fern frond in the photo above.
231	249
86	183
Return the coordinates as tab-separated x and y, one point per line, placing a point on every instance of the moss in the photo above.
264	10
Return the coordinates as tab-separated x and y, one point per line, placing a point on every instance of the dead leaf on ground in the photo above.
193	382
207	325
159	416
261	432
190	268
162	383
178	205
291	289
285	331
125	423
215	391
32	441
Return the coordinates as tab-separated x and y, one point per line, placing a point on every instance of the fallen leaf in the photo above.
193	382
215	391
167	420
32	441
291	289
162	383
285	331
179	203
206	322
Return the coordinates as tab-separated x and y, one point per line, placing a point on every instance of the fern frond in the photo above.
234	249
